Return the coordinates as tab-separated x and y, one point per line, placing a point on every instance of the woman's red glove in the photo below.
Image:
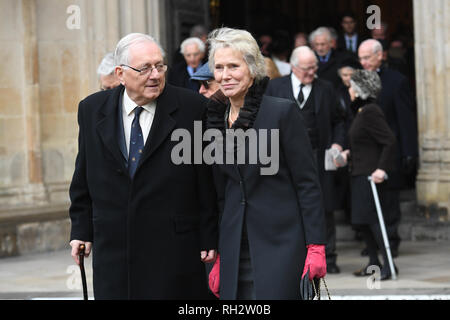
214	277
315	261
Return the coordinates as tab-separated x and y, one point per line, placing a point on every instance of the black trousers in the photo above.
330	248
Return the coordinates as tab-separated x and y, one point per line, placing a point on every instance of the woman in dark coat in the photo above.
372	151
272	215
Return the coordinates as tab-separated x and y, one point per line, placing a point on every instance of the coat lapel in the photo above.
163	124
108	125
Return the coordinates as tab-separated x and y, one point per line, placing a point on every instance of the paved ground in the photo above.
424	273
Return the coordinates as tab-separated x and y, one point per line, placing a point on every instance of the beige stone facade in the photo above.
50	50
432	45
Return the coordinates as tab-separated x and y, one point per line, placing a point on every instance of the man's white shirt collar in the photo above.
129	105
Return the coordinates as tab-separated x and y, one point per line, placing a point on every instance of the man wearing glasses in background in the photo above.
149	223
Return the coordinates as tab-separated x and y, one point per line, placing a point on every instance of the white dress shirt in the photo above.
283	67
145	119
296	90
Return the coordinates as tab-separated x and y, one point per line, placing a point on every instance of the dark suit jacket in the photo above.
372	142
283	212
147	232
397	102
330	123
342	43
179	76
329	70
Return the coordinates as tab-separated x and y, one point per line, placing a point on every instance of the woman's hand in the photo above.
208	256
214	278
378	176
315	261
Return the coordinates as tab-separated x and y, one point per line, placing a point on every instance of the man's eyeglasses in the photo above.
160	68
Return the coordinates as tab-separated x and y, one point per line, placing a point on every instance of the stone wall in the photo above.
432	32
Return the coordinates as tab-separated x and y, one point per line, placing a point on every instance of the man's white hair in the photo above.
301	51
374	44
241	41
124	44
107	65
193	40
320	31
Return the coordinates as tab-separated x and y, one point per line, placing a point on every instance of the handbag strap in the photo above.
317	290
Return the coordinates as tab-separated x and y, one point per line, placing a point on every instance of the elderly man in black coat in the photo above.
320	109
148	221
397	102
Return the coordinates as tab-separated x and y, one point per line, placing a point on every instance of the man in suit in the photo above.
148	221
321	42
349	40
398	105
193	50
319	107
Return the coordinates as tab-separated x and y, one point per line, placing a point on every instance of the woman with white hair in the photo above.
372	150
272	228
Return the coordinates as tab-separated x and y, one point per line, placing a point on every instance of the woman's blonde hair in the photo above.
239	40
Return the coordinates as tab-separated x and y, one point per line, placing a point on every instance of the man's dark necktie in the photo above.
136	142
350	45
301	97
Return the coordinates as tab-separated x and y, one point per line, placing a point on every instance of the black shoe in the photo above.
364	252
332	268
386	272
363	272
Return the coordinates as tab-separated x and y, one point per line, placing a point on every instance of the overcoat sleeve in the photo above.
378	129
207	199
80	210
301	163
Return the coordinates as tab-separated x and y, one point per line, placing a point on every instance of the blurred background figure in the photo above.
349	40
106	74
281	49
264	42
321	42
208	85
334	38
300	39
193	51
271	68
342	178
197	31
380	33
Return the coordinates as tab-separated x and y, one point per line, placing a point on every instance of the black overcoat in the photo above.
147	232
283	212
330	122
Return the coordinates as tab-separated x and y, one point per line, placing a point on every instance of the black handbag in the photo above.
310	289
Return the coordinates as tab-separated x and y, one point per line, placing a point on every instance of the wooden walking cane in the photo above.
83	273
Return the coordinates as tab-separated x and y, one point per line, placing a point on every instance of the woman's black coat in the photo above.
283	212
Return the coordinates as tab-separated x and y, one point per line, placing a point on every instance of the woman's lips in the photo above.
228	86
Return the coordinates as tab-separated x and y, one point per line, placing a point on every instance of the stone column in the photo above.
20	143
432	47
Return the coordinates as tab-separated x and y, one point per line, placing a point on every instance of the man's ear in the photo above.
119	74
